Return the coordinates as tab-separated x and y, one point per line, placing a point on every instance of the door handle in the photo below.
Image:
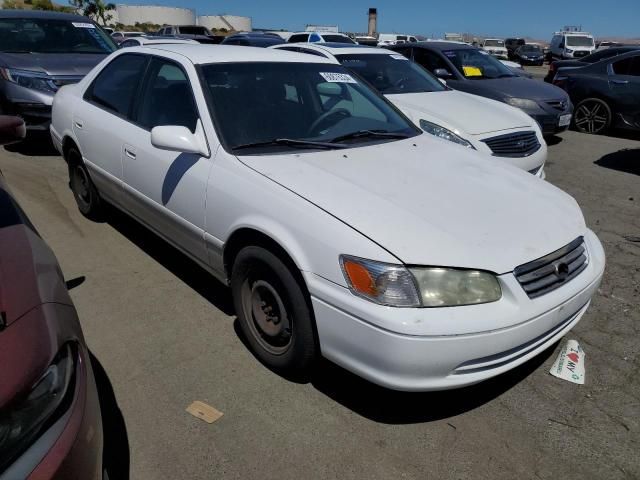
78	124
620	82
130	154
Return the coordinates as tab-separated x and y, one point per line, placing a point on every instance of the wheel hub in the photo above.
268	311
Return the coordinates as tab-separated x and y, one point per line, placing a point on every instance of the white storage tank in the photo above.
156	14
229	22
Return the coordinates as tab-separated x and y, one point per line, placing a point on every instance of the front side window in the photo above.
167	98
299	38
276	103
579	41
477	64
115	86
391	74
40	35
429	60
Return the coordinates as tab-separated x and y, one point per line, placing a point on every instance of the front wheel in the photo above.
592	115
273	312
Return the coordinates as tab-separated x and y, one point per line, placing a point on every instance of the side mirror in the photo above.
442	73
12	129
176	138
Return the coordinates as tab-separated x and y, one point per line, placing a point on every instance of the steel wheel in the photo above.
592	116
84	191
269	321
81	187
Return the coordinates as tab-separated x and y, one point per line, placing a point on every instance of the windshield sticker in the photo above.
334	77
470	71
83	25
399	57
450	53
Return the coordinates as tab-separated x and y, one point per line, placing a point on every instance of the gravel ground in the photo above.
163	335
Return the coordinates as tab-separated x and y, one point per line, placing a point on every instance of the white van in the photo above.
394	39
567	45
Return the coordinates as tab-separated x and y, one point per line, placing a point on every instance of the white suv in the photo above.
568	45
495	47
488	126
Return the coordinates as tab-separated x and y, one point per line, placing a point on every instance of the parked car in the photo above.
394	38
471	70
50	424
589	59
606	44
320	37
41	51
495	47
192	32
606	93
468	120
569	45
120	37
512	44
342	229
154	40
253	39
529	55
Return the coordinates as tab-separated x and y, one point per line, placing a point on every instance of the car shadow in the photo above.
386	406
172	259
116	455
624	134
627	160
36	144
553	140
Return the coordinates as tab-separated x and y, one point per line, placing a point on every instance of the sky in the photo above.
526	18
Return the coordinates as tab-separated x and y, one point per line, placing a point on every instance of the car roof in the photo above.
43	14
336	48
203	54
160	39
438	45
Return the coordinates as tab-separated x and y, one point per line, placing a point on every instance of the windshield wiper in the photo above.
288	142
369	133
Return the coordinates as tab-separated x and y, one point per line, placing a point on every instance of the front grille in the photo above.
580	54
62	81
521	144
559	105
545	274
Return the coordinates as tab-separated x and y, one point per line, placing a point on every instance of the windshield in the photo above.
391	74
337	38
300	102
579	41
531	49
493	43
39	35
477	64
193	31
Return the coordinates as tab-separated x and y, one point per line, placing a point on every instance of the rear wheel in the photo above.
592	115
84	191
273	312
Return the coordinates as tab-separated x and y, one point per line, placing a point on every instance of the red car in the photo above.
50	424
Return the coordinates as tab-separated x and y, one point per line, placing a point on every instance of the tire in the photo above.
593	116
274	312
84	191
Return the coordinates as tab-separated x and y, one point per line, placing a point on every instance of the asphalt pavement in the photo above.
163	334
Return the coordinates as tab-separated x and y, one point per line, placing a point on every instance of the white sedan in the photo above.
478	123
342	229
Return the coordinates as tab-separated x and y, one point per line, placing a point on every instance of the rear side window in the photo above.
429	60
115	86
627	66
300	37
167	98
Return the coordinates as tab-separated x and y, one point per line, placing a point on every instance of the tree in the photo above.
96	9
43	5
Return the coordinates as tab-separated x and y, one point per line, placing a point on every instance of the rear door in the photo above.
101	119
165	189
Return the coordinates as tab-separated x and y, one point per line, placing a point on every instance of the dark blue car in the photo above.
472	70
253	39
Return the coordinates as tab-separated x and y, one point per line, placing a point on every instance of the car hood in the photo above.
520	87
431	203
531	54
569	63
53	63
468	113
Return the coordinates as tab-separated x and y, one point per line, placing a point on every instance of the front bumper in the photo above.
533	163
445	348
33	106
530	61
549	121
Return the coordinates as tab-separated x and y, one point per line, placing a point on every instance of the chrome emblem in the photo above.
561	271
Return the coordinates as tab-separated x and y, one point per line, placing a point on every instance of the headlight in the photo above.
21	423
523	103
398	286
28	79
568	50
442	132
